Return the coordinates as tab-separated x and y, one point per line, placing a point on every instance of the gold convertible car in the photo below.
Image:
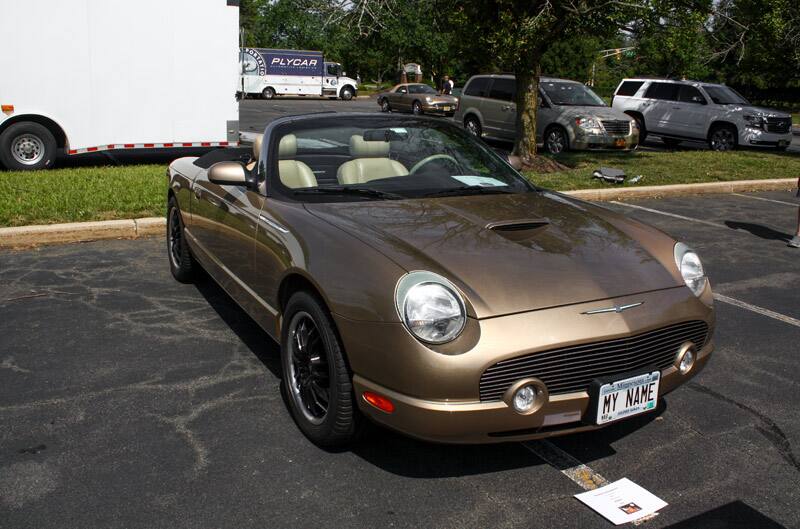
414	278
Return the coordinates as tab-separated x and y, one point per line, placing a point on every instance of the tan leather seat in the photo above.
293	173
256	152
371	162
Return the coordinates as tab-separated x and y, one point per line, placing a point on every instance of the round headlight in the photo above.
691	268
687	362
430	307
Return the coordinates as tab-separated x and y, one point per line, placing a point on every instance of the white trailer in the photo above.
91	75
270	72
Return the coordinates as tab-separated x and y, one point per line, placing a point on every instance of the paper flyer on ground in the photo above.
622	501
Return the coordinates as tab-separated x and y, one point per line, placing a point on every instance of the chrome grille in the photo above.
779	125
570	369
617	126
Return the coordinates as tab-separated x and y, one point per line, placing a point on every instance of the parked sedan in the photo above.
417	98
413	278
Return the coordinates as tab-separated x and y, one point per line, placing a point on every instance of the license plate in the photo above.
447	109
627	397
619	143
782	143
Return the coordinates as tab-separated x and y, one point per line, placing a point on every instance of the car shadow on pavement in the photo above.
404	456
254	337
734	514
765	232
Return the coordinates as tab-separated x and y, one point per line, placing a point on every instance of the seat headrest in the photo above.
368	149
257	146
287	148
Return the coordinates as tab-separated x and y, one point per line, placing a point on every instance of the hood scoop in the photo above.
520	230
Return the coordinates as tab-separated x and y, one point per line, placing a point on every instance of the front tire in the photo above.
556	140
181	261
268	93
722	138
473	126
385	107
416	108
347	93
27	146
316	380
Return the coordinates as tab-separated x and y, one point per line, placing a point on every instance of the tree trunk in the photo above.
527	101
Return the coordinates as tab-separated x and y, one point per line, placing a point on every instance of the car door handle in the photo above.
506	107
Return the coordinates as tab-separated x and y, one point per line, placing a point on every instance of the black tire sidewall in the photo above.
416	105
341	423
347	94
268	93
478	127
185	272
35	129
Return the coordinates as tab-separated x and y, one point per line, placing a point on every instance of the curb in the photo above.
27	236
736	186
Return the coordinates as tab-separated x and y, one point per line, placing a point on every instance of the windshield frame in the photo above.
268	173
553	102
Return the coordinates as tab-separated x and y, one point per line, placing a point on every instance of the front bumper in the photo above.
439	109
758	137
436	394
605	141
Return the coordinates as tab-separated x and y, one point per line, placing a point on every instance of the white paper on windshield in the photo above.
483	181
622	501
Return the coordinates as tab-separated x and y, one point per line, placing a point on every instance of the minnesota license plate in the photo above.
447	109
627	397
619	143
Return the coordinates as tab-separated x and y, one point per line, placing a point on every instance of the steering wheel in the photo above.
432	158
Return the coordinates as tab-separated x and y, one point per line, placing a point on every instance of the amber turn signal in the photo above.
7	108
379	401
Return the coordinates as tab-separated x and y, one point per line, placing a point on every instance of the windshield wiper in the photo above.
342	190
469	190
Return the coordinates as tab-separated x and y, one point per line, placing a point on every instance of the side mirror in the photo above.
229	174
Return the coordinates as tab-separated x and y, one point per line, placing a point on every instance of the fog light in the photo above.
686	362
525	399
686	357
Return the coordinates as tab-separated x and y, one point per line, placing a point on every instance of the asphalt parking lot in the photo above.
254	114
130	400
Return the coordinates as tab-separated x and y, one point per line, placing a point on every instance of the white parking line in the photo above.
766	199
760	310
673	215
579	473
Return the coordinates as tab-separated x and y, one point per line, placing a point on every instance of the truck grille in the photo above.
617	126
779	125
573	368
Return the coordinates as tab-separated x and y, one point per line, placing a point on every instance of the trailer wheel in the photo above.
347	93
27	146
268	93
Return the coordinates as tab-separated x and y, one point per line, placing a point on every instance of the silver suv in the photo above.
690	110
570	115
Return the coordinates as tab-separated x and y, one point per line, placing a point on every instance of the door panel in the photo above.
690	115
657	107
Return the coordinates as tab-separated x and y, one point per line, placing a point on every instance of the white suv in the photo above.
690	110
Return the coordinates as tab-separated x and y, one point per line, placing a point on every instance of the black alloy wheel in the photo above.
722	139
181	262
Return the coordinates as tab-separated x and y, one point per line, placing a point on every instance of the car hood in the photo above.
514	252
770	112
443	99
569	112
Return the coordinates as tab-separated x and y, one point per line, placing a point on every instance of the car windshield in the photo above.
722	95
420	89
571	94
353	158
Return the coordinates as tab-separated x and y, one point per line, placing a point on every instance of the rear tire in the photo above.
27	146
473	126
268	93
722	138
316	380
181	261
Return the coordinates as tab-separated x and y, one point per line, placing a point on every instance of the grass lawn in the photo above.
123	192
82	194
676	167
796	118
